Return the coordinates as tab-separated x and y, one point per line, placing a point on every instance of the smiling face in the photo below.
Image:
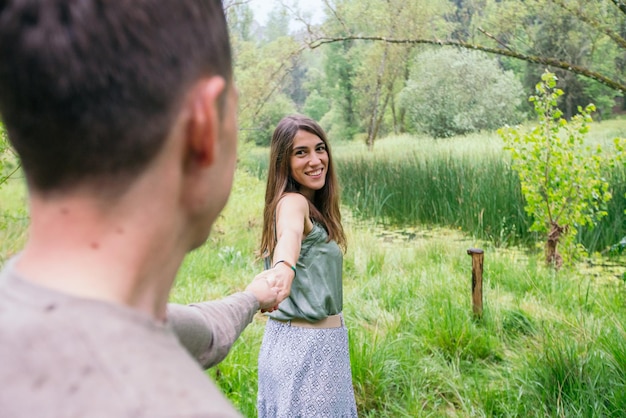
309	162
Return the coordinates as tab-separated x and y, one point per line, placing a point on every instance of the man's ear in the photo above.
204	121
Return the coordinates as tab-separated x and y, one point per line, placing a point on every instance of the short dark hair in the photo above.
89	89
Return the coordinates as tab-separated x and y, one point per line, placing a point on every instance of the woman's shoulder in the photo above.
293	199
295	206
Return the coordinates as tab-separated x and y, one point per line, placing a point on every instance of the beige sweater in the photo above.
62	356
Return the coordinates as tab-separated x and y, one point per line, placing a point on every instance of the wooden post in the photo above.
477	280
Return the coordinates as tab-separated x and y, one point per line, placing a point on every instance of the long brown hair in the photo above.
324	208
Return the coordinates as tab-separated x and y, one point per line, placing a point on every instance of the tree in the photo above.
603	21
338	85
553	28
277	24
370	44
263	72
559	172
240	21
373	75
452	92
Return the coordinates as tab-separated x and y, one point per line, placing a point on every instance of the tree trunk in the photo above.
372	129
553	258
396	126
379	120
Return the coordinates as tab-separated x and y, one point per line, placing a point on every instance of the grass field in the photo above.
13	217
548	345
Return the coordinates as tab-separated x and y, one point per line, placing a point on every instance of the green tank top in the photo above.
317	290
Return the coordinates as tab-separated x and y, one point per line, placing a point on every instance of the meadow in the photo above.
548	344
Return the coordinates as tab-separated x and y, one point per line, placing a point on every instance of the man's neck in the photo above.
121	255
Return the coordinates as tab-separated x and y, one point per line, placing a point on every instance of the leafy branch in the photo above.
549	61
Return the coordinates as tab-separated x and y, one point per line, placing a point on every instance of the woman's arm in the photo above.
292	225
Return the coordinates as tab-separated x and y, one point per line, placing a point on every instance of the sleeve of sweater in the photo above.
207	330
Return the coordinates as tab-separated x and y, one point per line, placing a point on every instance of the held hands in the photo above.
266	292
283	274
278	278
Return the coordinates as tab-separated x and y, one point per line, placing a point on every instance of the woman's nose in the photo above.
314	159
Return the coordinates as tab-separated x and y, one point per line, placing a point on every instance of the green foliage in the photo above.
264	73
364	77
13	213
452	92
340	121
240	21
267	119
9	163
586	34
316	106
277	25
3	151
334	123
560	174
603	97
361	80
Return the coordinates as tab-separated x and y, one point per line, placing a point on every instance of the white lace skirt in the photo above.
305	372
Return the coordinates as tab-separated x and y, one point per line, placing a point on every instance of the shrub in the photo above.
559	171
267	118
316	106
453	92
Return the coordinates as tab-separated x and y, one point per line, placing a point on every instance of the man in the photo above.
124	116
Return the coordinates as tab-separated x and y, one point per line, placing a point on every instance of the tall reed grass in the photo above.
433	185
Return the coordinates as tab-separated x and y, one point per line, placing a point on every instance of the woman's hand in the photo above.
279	278
266	292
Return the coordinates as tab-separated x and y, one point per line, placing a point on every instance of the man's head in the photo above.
89	90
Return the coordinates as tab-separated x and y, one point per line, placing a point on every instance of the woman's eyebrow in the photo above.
304	147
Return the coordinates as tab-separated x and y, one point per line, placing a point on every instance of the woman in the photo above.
304	362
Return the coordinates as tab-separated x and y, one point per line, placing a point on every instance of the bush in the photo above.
267	118
335	125
559	171
316	106
455	92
